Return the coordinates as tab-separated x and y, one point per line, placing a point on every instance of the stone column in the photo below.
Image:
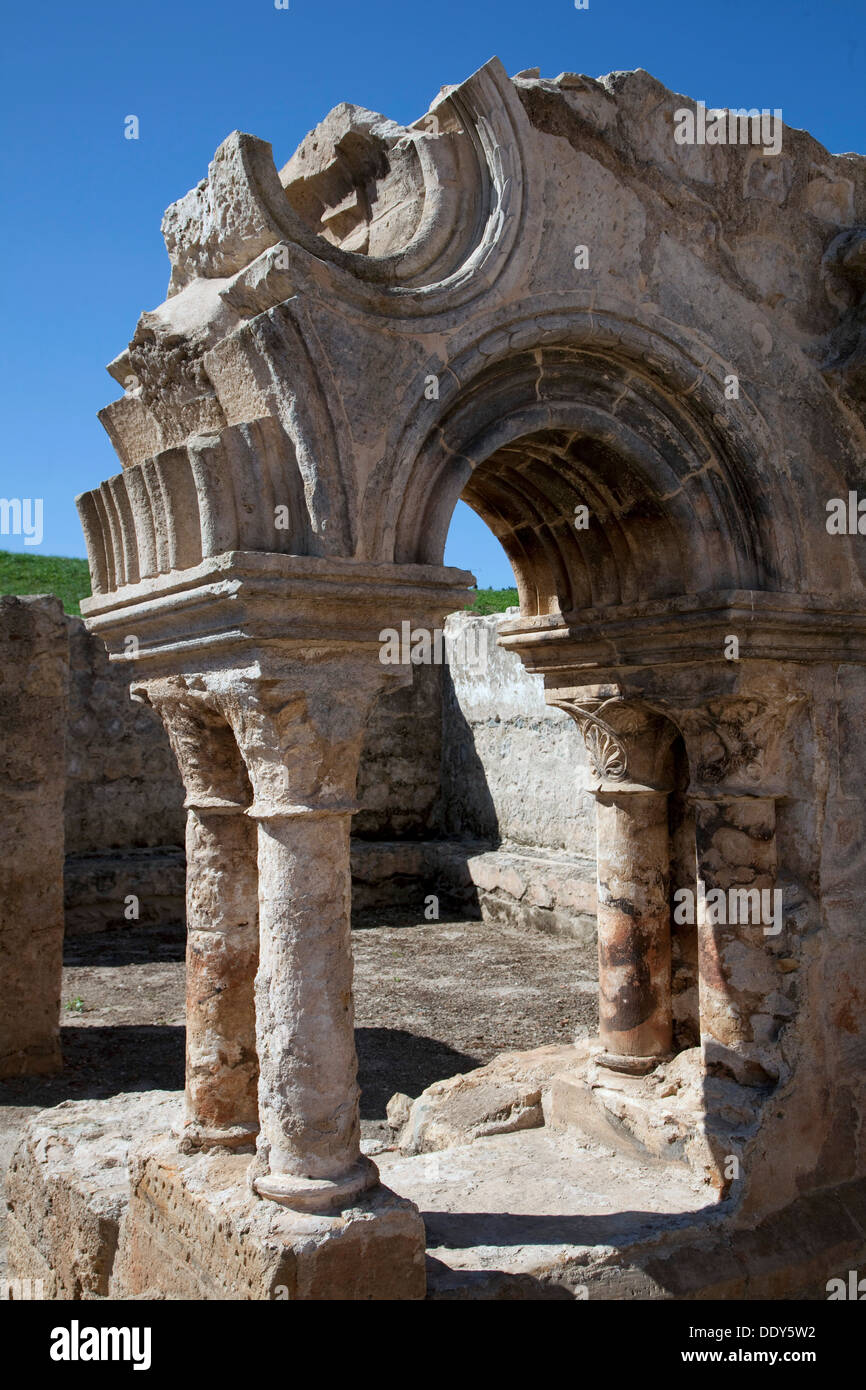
308	1090
634	937
733	751
301	737
221	963
221	1106
629	751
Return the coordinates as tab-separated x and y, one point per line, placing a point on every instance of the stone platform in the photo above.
544	1215
194	1230
519	1210
67	1189
99	1211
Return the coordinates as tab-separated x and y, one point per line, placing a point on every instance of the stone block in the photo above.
194	1230
67	1189
97	886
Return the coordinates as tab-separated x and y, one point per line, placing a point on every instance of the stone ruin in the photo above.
643	364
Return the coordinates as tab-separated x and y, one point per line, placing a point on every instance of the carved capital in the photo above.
628	745
203	744
300	732
608	755
734	744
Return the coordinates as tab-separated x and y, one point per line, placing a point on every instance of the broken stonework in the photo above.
68	1189
506	1095
34	665
653	408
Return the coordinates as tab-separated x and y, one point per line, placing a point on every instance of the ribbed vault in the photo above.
670	509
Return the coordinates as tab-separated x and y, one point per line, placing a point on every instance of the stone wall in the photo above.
471	751
123	787
124	800
486	781
33	692
513	768
399	774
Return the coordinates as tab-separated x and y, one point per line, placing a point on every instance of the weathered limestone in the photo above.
222	922
123	791
67	1188
34	665
115	889
629	751
507	1095
641	363
124	800
267	732
309	1142
251	1249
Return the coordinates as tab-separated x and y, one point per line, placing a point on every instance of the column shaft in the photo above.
634	939
309	1143
222	956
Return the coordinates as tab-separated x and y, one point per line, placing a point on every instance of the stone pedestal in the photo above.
193	1230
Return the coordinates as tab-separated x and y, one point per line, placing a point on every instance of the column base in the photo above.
632	1066
194	1230
318	1195
196	1138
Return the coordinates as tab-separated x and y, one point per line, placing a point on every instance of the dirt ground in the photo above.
431	999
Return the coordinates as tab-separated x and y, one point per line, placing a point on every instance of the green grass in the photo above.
69	579
494	600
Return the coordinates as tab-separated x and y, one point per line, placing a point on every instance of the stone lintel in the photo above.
611	645
245	597
257	610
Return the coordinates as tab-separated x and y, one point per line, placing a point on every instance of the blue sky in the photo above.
82	205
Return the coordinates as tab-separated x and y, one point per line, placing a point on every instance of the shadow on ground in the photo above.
390	1060
103	1061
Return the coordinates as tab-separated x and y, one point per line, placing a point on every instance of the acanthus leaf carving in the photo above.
607	751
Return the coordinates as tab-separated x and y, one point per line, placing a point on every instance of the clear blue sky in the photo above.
82	205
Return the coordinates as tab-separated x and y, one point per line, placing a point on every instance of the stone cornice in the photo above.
597	646
231	608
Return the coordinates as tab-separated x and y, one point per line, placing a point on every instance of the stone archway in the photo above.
398	316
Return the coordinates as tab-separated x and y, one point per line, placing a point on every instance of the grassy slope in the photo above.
494	601
70	580
45	574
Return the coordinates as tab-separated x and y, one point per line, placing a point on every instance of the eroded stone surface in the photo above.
246	1248
67	1187
34	669
537	299
504	1096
